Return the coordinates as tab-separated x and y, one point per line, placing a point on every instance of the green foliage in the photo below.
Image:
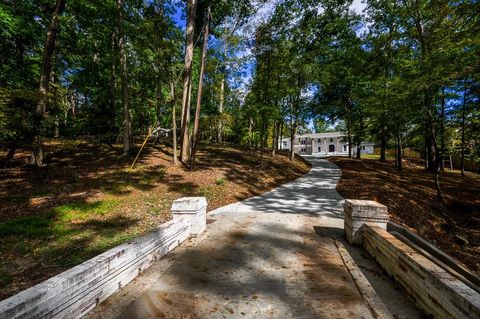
220	181
380	74
18	119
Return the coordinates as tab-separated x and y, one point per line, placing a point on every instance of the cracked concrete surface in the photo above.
260	258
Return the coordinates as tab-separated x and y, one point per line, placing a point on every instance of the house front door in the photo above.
331	148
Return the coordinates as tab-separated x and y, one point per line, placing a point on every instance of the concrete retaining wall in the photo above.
78	290
436	290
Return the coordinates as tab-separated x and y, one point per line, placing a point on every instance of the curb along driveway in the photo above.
260	258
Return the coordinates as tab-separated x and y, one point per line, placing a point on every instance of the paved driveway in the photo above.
260	258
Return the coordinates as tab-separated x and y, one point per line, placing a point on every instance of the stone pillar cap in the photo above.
363	202
189	204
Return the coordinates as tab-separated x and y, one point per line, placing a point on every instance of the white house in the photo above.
330	143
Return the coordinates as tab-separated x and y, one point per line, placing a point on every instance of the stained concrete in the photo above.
261	258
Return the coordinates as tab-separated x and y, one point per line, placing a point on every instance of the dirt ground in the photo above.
86	200
452	224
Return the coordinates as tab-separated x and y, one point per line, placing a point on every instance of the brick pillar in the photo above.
194	209
359	212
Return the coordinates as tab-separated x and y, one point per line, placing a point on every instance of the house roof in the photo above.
324	135
318	135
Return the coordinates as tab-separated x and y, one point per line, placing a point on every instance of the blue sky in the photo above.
262	14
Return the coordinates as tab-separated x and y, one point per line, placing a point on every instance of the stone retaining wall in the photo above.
78	290
437	291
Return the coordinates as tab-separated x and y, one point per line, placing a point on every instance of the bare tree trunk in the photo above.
293	130
56	133
292	140
399	154
281	134
187	79
432	150
250	129
462	159
442	148
10	154
276	125
383	147
46	69
349	136
262	138
127	124
427	150
159	100
435	166
174	123
199	93
113	82
395	150
220	110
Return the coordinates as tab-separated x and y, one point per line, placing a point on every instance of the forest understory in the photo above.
86	200
452	224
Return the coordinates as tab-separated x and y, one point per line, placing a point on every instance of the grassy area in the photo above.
453	223
376	156
86	200
370	156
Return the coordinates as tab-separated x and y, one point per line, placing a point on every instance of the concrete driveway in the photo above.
260	258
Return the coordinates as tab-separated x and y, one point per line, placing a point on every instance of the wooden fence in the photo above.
470	165
406	153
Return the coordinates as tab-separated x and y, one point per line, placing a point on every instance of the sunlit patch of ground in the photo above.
87	200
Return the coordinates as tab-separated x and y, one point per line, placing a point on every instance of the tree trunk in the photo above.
383	147
127	124
275	134
462	158
56	133
399	154
349	127
293	130
426	152
292	140
349	136
395	149
220	110
442	148
10	154
187	79
159	100
113	83
250	129
281	134
199	93
432	150
45	71
435	166
174	124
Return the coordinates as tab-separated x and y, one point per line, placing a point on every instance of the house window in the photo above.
363	148
302	142
285	143
344	148
319	140
302	150
319	149
331	140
